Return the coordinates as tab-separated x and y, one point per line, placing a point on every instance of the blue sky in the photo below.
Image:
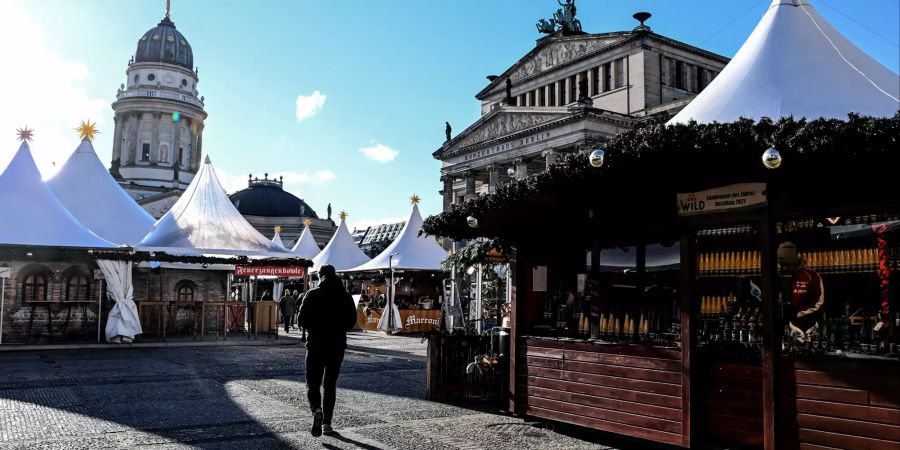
390	73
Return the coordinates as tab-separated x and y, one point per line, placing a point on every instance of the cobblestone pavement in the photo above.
241	397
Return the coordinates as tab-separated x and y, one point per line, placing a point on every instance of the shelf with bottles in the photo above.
739	263
856	333
723	263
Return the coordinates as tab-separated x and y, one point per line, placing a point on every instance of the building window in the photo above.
137	78
531	98
181	156
573	91
679	74
607	77
183	82
145	151
551	98
595	85
78	288
620	73
563	95
184	291
34	287
151	77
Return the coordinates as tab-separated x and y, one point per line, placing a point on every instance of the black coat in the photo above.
327	313
288	305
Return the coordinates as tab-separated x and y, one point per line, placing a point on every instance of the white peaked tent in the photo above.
306	246
32	215
89	192
795	63
410	251
277	240
341	252
204	220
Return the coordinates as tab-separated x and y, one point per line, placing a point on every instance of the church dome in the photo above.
267	198
164	44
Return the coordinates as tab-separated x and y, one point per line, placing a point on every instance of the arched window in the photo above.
184	291
34	287
78	288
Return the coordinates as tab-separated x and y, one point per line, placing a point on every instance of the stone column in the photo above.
557	100
550	157
154	138
493	178
198	150
134	154
590	77
447	192
470	185
602	84
547	96
119	120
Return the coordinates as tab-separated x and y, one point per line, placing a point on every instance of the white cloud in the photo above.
44	90
309	105
233	183
379	152
363	223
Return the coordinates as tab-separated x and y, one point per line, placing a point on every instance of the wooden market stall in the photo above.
675	296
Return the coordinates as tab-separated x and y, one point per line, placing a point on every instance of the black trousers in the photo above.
288	321
322	369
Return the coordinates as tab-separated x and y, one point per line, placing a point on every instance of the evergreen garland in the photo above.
687	150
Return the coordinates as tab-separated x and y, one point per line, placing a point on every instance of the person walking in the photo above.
327	313
299	301
287	305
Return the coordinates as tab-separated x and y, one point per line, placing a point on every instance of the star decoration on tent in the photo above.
25	134
87	130
278	228
307	221
343	215
414	199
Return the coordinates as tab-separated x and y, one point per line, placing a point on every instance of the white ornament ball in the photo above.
511	172
597	158
771	158
472	221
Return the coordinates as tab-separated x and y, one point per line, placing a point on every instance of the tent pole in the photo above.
99	309
479	325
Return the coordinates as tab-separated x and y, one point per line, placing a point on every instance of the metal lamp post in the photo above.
392	292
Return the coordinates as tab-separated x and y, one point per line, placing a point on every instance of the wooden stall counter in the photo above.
414	320
633	390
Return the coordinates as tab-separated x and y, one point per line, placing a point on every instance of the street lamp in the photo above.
390	306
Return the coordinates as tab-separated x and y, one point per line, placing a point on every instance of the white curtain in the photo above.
123	323
278	289
397	322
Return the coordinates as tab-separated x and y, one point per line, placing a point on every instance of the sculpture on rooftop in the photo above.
563	20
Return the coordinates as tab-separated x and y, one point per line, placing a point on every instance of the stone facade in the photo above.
570	94
46	302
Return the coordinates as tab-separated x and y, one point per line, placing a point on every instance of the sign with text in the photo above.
735	196
270	271
414	320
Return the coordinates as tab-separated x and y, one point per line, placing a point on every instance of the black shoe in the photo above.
327	430
316	429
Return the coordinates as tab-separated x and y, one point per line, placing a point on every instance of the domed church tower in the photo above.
158	140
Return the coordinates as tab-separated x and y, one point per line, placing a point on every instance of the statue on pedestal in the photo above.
448	130
563	20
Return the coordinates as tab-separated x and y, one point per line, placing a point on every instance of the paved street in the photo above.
236	397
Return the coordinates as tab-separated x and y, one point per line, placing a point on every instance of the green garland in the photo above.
678	148
477	253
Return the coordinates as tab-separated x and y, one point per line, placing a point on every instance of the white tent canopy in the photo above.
306	246
795	64
410	250
204	220
276	239
341	252
91	194
32	215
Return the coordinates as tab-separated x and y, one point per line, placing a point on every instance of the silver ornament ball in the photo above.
772	158
472	221
511	172
597	158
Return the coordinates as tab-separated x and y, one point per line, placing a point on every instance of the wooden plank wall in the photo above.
850	404
625	389
732	411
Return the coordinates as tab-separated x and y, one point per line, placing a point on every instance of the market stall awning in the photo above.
341	252
795	64
90	193
33	215
410	250
306	246
204	220
276	239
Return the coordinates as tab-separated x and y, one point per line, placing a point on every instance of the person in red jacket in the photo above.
807	292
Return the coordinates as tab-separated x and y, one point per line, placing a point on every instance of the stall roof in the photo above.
795	63
341	252
306	246
410	250
91	194
204	220
33	215
276	239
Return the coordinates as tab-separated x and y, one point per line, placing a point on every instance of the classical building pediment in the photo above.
552	53
500	123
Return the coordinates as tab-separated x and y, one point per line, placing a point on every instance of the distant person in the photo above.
287	305
327	313
266	296
299	301
806	292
